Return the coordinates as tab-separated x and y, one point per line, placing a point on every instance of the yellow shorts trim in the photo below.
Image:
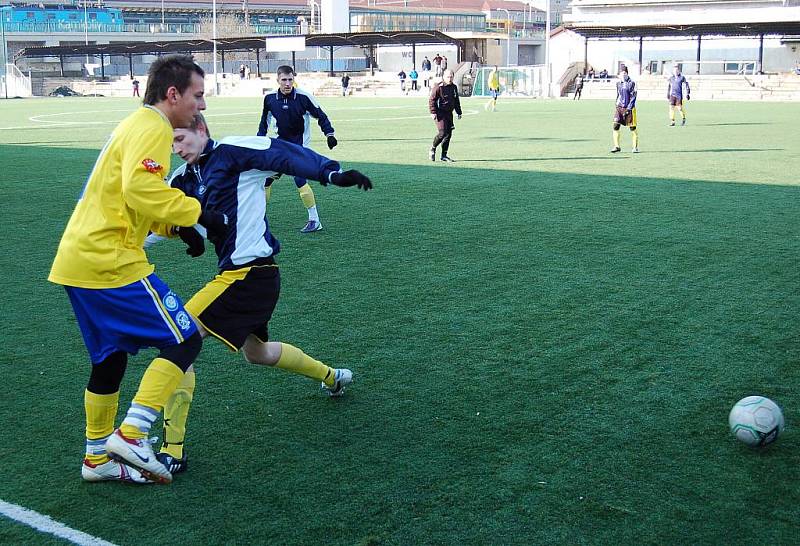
209	293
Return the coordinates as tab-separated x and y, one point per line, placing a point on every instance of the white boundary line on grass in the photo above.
48	525
42	123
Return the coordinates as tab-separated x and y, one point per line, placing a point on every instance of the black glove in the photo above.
351	178
332	142
216	224
195	244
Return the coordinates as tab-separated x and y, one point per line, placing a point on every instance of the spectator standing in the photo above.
345	84
414	76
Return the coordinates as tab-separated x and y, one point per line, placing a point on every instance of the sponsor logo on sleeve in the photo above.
152	166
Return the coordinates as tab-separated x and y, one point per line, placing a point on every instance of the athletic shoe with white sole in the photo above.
341	378
175	466
111	471
138	453
311	225
635	150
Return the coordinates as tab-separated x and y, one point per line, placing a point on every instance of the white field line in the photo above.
48	525
43	121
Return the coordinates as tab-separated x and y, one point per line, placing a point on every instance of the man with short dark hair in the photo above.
625	110
345	84
442	102
290	108
121	306
236	306
675	95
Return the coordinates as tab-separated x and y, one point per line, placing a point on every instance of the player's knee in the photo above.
107	375
617	126
183	354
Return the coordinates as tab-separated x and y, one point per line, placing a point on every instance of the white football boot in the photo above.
110	471
137	453
341	378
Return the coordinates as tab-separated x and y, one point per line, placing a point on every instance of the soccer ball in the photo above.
756	421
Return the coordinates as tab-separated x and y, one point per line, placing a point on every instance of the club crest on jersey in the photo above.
171	301
151	166
183	320
201	189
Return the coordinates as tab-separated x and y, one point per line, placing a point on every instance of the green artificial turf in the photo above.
546	338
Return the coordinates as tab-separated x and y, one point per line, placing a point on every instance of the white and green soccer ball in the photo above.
756	421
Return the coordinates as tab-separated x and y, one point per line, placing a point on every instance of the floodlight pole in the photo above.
508	28
162	15
86	33
547	73
214	39
5	52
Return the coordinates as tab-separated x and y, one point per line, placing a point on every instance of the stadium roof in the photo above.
356	39
687	30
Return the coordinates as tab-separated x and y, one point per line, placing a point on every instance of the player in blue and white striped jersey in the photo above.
236	306
290	110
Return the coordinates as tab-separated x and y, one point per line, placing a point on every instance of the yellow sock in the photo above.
616	139
268	192
101	410
176	413
683	111
307	195
635	136
672	114
158	383
296	361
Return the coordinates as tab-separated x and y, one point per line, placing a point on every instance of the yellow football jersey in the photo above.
124	198
494	80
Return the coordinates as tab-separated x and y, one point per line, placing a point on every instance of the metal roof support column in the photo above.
640	55
61	63
102	66
371	60
258	61
294	61
222	57
585	55
330	72
414	56
699	41
760	53
130	63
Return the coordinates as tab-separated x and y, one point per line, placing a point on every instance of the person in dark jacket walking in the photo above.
442	102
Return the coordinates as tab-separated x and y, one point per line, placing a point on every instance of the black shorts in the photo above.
238	303
623	119
675	101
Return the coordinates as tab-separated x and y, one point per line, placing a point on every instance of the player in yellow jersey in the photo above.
120	304
494	89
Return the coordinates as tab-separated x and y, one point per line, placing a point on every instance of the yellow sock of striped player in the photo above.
176	413
616	138
296	361
307	196
672	113
101	410
635	137
158	383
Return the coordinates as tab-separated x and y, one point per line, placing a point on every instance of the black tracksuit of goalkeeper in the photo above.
442	102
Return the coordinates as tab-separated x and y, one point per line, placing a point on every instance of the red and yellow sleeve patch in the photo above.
151	166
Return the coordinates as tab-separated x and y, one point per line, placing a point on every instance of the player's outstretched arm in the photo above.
350	178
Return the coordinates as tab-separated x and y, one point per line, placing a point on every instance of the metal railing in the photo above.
47	27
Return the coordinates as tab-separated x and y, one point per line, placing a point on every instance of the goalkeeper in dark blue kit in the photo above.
290	110
236	306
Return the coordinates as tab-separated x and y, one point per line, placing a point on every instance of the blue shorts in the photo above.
145	313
